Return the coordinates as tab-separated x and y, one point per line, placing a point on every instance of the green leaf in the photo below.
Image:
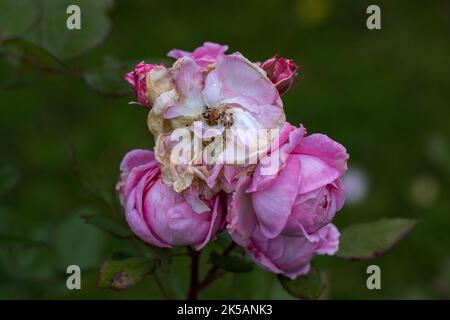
231	263
34	55
309	286
163	256
223	240
107	78
52	34
11	242
112	226
17	17
120	255
104	4
76	242
15	73
122	274
9	177
94	181
369	240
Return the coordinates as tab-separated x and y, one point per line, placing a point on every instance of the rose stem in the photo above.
213	273
193	290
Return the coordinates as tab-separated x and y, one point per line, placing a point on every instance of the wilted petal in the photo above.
188	79
159	80
235	76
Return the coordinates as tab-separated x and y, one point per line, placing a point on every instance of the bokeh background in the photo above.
384	94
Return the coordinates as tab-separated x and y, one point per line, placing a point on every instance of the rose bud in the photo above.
282	72
160	216
138	81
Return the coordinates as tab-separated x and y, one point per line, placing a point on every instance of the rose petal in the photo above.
273	204
330	151
188	79
235	76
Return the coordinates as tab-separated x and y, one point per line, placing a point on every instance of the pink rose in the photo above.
203	56
138	81
159	215
290	256
303	192
282	72
294	201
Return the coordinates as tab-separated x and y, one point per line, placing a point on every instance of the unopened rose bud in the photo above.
282	72
137	80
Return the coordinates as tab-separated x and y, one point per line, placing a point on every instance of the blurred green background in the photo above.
384	94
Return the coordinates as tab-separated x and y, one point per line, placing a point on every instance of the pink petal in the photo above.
268	168
138	224
329	240
158	200
177	53
188	80
273	205
339	194
321	146
241	216
215	223
203	56
315	173
136	158
186	226
235	76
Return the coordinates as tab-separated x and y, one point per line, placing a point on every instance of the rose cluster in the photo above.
276	201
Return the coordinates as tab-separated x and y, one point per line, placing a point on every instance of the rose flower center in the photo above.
218	115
